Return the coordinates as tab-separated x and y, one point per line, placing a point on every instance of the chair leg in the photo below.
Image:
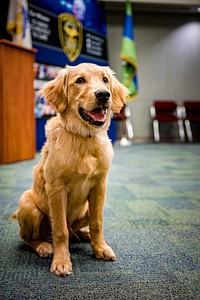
129	128
181	130
156	131
189	131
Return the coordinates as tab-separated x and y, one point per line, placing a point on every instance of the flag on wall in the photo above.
18	23
128	55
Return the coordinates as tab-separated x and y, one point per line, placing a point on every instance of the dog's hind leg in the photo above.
79	230
43	249
30	218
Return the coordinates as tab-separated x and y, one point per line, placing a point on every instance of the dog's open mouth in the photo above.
96	116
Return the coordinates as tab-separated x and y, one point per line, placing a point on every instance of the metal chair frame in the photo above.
187	125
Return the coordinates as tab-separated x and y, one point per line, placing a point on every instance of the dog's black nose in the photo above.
102	96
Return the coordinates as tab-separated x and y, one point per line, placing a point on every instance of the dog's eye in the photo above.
105	79
80	80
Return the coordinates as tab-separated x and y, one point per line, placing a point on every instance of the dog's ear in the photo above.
55	92
119	92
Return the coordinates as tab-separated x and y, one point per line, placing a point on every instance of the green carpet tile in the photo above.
151	219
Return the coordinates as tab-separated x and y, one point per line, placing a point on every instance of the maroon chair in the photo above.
166	111
191	111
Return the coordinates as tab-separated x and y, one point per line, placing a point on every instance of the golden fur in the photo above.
69	185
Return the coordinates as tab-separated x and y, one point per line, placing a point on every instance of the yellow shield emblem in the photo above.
71	35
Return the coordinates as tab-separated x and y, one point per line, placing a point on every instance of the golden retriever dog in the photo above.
69	186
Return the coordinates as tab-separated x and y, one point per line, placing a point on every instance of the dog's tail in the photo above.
13	216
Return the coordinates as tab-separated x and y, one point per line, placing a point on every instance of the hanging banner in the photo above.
68	32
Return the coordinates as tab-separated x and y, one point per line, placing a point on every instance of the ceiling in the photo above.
165	6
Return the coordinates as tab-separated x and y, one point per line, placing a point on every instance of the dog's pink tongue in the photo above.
98	114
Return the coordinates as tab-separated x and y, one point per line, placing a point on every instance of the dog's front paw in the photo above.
61	267
104	252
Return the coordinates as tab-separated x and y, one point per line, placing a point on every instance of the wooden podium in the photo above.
17	120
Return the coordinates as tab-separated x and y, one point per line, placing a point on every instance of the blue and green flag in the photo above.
128	55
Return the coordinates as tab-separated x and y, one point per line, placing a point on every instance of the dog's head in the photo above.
86	93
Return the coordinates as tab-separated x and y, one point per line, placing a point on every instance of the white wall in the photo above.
168	48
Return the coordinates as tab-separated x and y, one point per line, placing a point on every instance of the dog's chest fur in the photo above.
77	155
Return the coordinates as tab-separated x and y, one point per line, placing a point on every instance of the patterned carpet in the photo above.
151	219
